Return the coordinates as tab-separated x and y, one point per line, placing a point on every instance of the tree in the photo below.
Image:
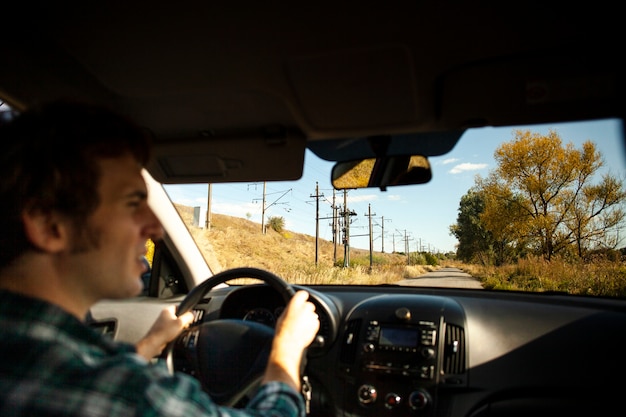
540	196
596	214
474	240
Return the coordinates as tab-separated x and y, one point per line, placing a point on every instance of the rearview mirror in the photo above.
381	172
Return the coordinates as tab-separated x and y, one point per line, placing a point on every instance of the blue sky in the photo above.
422	213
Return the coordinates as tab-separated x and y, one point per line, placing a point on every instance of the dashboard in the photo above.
387	351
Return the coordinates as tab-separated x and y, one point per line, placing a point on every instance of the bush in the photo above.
277	223
431	259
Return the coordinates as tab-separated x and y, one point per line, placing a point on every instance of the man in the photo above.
74	221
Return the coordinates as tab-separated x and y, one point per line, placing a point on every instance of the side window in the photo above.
165	279
148	259
146	276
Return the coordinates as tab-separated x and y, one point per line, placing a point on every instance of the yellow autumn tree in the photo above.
541	197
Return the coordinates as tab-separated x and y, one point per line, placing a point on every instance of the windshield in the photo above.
530	208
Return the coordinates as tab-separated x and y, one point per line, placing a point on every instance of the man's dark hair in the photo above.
49	164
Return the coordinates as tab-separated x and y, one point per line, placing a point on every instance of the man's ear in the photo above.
46	231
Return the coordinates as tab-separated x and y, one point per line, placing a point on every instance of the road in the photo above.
444	277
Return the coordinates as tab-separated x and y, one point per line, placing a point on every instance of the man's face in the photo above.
107	259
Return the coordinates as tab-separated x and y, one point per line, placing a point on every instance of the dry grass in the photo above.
235	242
601	277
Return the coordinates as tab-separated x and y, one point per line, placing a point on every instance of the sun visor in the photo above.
228	159
426	144
539	89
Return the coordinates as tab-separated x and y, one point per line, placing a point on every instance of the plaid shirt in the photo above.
52	364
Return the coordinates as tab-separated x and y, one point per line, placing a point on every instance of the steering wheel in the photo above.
227	356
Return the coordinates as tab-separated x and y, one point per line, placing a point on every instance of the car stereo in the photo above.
400	349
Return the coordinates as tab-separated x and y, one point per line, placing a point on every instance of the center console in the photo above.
397	350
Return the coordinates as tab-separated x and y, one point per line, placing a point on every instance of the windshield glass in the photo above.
531	208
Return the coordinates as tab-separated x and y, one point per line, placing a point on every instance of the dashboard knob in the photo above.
403	314
419	400
428	353
392	400
367	394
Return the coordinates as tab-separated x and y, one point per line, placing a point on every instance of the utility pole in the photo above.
335	228
207	222
406	248
393	241
346	230
334	223
369	214
263	209
382	234
317	197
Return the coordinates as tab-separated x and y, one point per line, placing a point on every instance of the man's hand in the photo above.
295	330
166	327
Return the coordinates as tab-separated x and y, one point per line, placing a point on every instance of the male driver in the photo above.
74	221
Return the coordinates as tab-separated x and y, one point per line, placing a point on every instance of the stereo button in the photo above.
367	394
392	400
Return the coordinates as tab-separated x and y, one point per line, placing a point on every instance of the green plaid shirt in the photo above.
52	364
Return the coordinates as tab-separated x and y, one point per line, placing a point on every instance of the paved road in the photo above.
444	277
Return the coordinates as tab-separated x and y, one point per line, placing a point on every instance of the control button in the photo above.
392	400
403	313
369	347
190	340
373	332
367	394
428	353
419	400
427	372
428	337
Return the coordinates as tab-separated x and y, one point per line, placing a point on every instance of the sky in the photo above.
418	214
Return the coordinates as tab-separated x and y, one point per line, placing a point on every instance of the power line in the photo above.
264	207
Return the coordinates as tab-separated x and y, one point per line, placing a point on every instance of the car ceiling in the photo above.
228	88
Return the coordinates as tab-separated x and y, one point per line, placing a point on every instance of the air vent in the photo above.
350	342
454	353
104	327
198	315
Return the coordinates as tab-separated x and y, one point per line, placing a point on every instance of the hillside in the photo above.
233	242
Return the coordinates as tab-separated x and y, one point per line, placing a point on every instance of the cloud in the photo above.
237	210
394	197
467	167
449	161
360	198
